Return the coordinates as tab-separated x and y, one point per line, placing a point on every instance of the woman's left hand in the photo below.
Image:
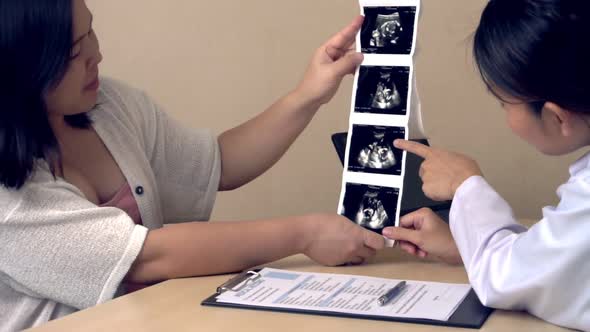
330	64
442	171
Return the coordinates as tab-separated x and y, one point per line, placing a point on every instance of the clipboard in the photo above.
470	313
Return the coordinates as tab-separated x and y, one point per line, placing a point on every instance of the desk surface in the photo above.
175	305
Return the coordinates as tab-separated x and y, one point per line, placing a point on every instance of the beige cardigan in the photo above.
61	253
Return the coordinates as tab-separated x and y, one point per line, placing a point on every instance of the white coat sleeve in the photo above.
543	270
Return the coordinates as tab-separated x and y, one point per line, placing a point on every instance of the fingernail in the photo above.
387	232
396	143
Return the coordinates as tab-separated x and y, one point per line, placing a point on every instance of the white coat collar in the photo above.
580	164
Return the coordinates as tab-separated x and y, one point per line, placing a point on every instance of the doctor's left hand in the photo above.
442	172
330	64
424	234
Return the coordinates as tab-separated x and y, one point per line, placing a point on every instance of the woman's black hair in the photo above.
35	49
536	51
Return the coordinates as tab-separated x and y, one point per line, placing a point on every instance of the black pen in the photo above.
391	294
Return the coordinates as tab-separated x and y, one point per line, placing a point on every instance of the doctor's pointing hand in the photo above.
423	233
442	172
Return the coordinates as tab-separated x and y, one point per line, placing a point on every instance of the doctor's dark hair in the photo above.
536	51
35	48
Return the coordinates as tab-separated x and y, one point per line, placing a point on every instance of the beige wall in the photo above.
215	64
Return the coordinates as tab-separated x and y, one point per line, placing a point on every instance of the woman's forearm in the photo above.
252	148
198	249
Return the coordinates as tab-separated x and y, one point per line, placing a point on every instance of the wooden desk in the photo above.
175	305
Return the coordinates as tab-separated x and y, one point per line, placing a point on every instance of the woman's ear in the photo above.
566	121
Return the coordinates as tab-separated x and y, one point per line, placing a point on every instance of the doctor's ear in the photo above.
567	120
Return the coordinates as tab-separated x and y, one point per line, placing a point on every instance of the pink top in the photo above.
125	201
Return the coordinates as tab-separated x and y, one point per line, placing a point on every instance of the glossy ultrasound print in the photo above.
382	90
372	150
371	207
388	30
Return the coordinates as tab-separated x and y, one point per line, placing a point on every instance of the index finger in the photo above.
404	234
408	220
413	147
347	36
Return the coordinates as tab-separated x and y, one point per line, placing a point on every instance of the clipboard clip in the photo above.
239	282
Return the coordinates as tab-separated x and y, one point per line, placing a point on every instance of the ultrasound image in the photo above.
371	207
388	30
372	150
382	90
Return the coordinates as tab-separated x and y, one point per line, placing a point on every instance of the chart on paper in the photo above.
345	294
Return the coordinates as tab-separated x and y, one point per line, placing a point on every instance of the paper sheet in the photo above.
382	102
348	294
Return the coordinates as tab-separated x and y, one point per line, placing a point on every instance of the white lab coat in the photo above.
544	270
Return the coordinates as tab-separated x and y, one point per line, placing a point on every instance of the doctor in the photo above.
533	59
